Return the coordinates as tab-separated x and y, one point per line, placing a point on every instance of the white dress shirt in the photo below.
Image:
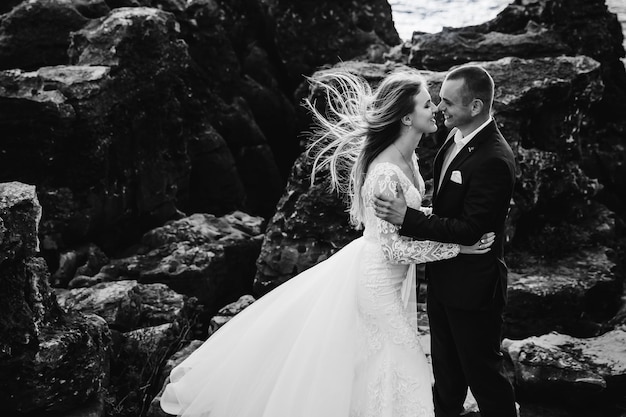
459	142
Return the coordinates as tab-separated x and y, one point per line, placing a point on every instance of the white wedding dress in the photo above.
338	340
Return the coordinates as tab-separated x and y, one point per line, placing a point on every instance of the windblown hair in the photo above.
478	84
357	125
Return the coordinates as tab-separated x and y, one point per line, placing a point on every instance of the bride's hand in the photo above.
480	247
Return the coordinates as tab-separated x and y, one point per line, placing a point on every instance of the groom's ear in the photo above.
477	107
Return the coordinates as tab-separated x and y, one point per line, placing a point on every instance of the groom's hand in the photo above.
390	208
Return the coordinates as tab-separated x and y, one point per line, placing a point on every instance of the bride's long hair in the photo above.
357	125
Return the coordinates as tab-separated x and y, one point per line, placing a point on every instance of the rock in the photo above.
252	156
85	261
214	182
68	366
37	33
201	256
313	33
556	367
8	5
126	305
575	295
19	218
229	311
94	407
119	174
49	360
139	355
148	341
174	360
450	47
231	42
28	306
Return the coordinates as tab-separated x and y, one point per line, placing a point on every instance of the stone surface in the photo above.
37	33
117	173
576	295
20	213
174	360
229	311
450	47
49	360
201	256
68	365
126	305
312	33
558	367
83	261
27	307
139	354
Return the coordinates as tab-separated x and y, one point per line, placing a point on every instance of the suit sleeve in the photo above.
488	195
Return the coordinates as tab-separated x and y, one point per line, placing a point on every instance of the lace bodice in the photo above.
384	178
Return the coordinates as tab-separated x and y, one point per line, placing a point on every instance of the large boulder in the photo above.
105	171
560	368
155	406
49	360
450	47
20	213
139	355
576	295
37	33
202	256
66	367
27	302
126	305
312	33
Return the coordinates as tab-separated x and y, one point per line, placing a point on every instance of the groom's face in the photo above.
455	112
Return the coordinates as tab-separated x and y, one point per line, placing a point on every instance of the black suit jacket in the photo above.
462	213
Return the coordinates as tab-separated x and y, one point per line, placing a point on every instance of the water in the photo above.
619	7
432	15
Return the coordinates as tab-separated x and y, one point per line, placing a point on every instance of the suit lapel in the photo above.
439	160
467	151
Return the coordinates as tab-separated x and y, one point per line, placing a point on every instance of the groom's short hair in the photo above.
478	83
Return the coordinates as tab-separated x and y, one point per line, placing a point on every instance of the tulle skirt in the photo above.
299	351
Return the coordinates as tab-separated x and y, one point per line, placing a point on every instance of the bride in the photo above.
339	339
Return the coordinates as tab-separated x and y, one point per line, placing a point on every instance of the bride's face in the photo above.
423	114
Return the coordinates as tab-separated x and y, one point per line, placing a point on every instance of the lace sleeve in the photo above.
399	249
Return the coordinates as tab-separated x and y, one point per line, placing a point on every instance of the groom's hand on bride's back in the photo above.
390	208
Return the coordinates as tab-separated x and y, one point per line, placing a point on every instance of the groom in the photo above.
474	174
